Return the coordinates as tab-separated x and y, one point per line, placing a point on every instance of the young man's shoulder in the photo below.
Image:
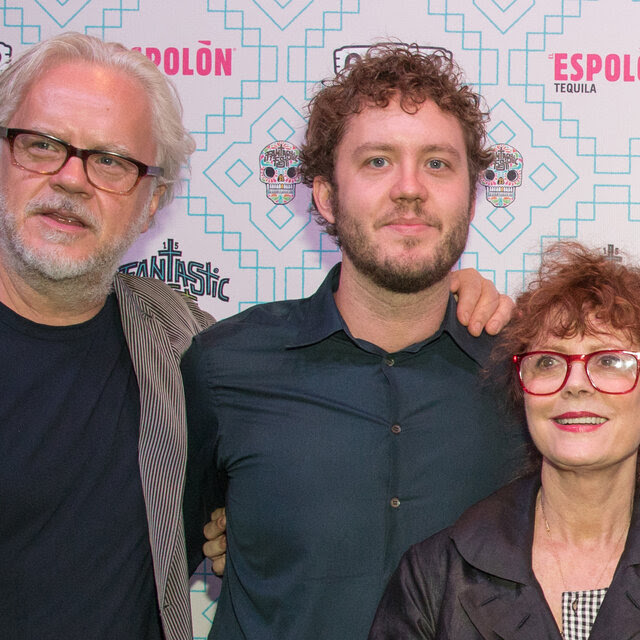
273	321
158	299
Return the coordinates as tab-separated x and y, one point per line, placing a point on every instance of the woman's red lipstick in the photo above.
579	421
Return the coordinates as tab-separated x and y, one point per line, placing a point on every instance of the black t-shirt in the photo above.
75	560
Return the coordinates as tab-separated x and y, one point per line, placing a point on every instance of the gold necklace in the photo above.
574	604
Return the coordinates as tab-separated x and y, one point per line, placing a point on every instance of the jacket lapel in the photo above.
495	537
497	613
619	616
162	439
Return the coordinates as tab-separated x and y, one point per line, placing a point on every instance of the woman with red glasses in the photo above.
555	554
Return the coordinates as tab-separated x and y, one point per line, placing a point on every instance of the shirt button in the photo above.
395	503
389	361
396	428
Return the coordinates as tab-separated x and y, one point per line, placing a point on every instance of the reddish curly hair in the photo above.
387	71
576	292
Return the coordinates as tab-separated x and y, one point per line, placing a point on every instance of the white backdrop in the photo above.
562	79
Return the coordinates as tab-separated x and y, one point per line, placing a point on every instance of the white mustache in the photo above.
65	207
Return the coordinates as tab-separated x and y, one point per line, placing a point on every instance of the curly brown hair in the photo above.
577	291
387	71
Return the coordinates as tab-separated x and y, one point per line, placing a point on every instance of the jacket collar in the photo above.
503	521
507	518
496	536
619	616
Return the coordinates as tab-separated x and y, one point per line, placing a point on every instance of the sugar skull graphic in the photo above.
279	170
503	176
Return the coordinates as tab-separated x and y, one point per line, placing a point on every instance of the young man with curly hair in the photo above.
341	428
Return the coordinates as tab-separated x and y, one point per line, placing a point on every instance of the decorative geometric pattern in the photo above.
502	229
560	79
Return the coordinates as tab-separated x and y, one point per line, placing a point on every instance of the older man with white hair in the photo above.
93	444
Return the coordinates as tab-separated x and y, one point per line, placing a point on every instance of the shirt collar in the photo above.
320	319
477	349
319	315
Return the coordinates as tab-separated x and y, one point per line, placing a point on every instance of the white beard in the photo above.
50	270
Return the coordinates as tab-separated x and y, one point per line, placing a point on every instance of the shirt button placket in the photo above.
395	429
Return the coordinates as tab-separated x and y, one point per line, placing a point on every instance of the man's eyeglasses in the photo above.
543	373
45	154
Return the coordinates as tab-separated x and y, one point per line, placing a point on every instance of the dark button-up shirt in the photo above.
335	456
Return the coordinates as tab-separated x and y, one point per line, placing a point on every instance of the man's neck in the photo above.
57	304
391	321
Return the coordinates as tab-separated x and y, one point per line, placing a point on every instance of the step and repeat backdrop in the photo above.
561	78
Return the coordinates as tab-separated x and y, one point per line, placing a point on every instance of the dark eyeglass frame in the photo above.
74	152
570	359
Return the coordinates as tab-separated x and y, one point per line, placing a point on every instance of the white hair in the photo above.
173	142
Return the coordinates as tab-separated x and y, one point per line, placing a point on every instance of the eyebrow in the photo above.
112	148
373	147
558	348
107	148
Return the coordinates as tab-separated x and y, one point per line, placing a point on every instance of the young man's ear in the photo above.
322	192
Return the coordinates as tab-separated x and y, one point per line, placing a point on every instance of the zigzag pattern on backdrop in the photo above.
559	78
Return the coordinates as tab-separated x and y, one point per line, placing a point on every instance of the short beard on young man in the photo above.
409	276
